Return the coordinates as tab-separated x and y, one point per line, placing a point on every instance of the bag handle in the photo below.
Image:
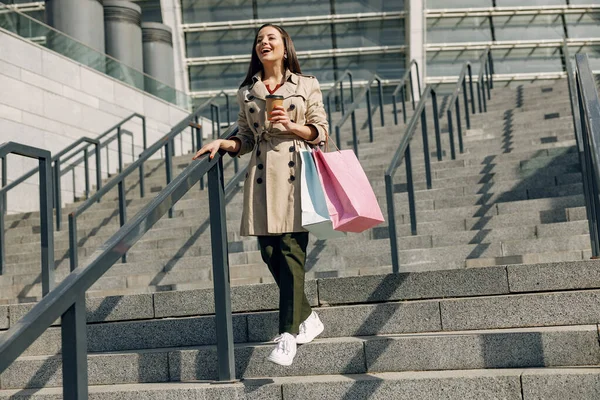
327	139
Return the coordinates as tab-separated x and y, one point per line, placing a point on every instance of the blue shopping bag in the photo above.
315	215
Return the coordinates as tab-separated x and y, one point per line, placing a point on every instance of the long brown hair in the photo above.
291	62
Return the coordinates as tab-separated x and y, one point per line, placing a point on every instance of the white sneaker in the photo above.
285	351
310	329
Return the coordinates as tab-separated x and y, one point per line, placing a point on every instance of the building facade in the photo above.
373	36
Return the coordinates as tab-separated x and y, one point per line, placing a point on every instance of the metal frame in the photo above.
401	88
510	44
351	113
292	21
47	234
68	299
244	58
512	11
586	118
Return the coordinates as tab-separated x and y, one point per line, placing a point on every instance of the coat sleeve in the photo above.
245	135
315	113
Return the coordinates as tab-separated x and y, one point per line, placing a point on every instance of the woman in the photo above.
272	209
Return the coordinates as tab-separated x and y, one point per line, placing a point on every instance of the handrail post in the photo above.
467	117
4	181
471	88
369	117
436	125
403	103
451	134
412	91
46	229
488	82
2	237
461	147
120	148
86	168
98	166
426	149
221	278
337	137
73	251
418	77
199	144
122	210
57	194
218	110
168	167
144	132
329	110
478	83
491	63
351	85
74	351
342	97
395	109
381	102
228	108
355	139
412	207
389	193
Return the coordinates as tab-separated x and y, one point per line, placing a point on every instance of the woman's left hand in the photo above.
279	116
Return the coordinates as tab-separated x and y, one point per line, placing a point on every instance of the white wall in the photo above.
49	101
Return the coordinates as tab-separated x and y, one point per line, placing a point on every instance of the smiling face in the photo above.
270	47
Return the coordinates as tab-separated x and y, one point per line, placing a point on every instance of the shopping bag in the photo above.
315	214
350	198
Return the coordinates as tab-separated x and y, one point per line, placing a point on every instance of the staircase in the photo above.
512	203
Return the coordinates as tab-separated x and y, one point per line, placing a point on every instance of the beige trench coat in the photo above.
272	186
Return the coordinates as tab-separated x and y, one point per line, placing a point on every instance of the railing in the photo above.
586	119
59	159
454	104
333	91
167	142
401	88
352	109
67	300
47	234
403	152
485	79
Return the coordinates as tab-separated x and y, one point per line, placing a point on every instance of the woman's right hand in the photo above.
212	148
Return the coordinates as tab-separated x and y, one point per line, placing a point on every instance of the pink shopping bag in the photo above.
350	198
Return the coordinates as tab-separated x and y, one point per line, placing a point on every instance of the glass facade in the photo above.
524	41
360	42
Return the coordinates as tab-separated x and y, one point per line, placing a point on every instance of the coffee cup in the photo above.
273	100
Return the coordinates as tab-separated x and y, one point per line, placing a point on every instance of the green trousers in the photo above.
285	255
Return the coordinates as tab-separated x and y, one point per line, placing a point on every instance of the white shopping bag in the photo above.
315	216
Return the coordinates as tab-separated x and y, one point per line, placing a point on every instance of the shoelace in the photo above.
283	344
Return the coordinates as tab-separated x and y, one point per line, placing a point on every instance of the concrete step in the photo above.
511	348
547	383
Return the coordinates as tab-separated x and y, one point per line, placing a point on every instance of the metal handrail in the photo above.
486	70
588	141
47	234
402	89
403	153
351	113
166	142
58	159
67	300
454	104
583	162
333	90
